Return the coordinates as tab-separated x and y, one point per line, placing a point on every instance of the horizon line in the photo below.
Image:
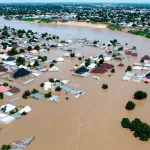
77	2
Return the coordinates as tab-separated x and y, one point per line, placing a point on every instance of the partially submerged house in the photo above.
81	70
99	70
21	72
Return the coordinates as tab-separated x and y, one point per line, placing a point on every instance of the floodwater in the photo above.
90	122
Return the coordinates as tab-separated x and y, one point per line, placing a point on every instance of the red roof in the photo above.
2	69
99	70
3	88
107	66
121	65
129	53
135	54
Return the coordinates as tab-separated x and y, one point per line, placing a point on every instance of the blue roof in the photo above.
66	88
10	59
17	115
37	96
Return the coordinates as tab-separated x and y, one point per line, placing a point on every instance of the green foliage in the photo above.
114	27
112	70
5	147
12	52
120	48
37	47
130	105
29	48
42	85
34	91
36	63
58	88
20	61
139	95
51	80
28	19
21	50
125	123
72	55
51	65
95	42
54	61
48	95
140	129
43	58
5	84
79	58
105	86
87	62
129	68
1	95
26	94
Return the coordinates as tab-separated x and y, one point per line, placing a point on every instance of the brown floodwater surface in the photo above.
92	121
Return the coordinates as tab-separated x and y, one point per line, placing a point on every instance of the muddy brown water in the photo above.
92	121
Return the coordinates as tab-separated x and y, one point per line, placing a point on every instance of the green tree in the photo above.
12	52
48	95
112	70
58	88
20	61
125	123
130	105
5	84
1	95
29	48
105	86
139	95
72	55
129	68
51	65
42	85
37	47
51	80
36	63
5	147
34	91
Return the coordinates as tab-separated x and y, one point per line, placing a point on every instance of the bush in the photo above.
26	94
54	61
42	84
5	84
72	55
105	86
36	63
125	123
141	130
48	95
129	68
1	95
67	98
51	65
29	48
12	112
130	105
34	91
51	80
79	58
58	88
139	95
5	147
112	70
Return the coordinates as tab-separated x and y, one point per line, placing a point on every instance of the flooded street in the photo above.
92	121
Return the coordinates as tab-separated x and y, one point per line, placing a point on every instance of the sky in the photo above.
115	1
